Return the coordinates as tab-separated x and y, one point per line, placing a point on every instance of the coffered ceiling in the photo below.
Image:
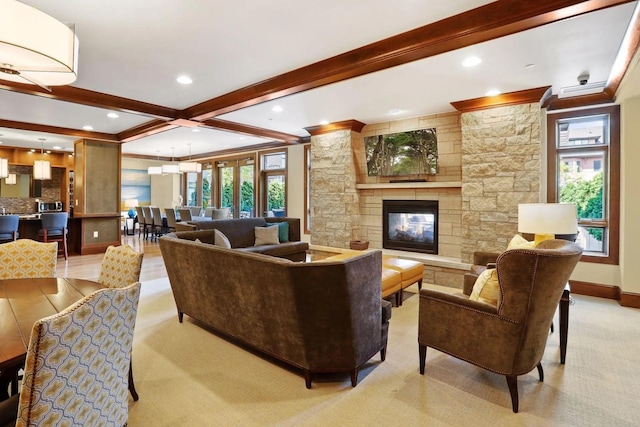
367	60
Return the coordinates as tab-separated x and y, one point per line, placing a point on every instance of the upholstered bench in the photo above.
397	273
410	271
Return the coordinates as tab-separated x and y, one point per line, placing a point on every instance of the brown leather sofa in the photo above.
241	235
319	317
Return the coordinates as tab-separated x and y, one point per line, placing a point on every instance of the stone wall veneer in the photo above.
335	203
501	149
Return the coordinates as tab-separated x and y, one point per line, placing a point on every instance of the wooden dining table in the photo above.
22	303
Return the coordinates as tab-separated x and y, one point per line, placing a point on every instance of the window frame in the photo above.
612	179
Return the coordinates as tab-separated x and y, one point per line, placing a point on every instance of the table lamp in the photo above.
131	204
547	220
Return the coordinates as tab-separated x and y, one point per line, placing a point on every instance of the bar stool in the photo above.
54	229
9	227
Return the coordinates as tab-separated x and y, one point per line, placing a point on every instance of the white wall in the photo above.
164	188
295	186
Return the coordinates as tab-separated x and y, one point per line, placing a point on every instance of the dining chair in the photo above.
195	211
222	213
55	229
158	224
26	258
140	216
185	214
120	268
170	213
77	364
207	212
148	221
9	227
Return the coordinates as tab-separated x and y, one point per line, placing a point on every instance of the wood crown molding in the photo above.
488	22
352	125
506	99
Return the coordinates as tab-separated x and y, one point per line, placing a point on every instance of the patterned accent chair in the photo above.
9	227
55	229
26	258
510	338
121	267
77	363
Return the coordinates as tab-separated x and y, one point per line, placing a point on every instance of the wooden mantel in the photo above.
403	185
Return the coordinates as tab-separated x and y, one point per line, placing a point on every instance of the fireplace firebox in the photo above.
410	225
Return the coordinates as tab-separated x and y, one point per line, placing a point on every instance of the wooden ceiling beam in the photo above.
58	130
145	129
488	22
93	99
251	130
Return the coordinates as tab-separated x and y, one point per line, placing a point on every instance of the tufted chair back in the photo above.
26	258
120	267
76	370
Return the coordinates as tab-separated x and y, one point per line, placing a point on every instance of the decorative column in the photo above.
335	205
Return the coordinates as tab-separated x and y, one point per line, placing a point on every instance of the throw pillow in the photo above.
519	242
266	236
283	232
486	288
221	240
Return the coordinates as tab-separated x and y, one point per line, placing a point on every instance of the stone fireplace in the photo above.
410	225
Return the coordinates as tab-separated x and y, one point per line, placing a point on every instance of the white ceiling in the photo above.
136	49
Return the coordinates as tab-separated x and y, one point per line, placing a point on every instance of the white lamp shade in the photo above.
547	218
41	169
4	168
155	170
12	179
36	46
172	168
131	203
190	167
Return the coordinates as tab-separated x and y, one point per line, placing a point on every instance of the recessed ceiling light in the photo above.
184	80
493	92
112	115
394	111
32	150
530	66
195	130
57	147
277	109
324	122
87	127
471	61
241	138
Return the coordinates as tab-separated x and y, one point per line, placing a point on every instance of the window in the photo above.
584	168
274	195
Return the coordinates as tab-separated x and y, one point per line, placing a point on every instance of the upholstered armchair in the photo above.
508	339
77	364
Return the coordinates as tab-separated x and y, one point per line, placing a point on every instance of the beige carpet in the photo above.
187	376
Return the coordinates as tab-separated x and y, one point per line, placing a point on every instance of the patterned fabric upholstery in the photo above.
26	258
120	267
76	371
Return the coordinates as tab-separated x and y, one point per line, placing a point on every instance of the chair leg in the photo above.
64	245
512	382
383	353
132	386
354	377
307	378
564	324
540	372
422	350
420	284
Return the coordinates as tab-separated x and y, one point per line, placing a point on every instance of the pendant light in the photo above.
4	168
155	170
190	166
12	179
173	167
35	47
42	168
